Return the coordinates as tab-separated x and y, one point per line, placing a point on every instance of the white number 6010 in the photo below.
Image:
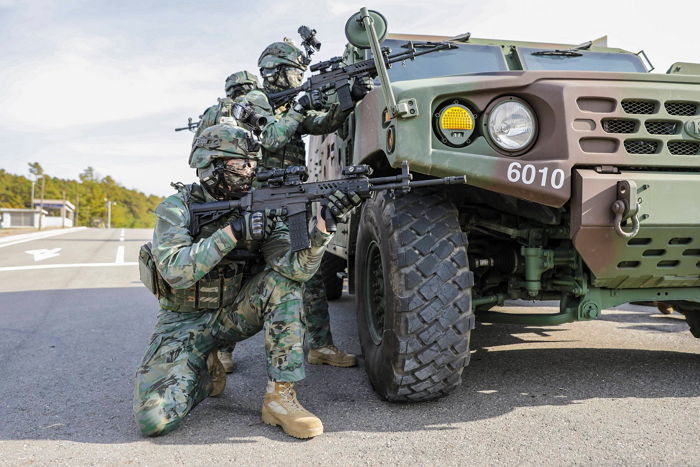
528	175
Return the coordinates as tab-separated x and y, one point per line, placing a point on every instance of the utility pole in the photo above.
109	212
63	209
77	210
31	201
41	203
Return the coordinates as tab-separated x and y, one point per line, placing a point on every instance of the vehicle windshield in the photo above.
579	60
465	58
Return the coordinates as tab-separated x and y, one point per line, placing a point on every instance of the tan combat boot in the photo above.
216	373
226	359
331	355
281	408
664	308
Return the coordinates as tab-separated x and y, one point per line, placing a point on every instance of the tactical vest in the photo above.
292	153
225	109
216	289
213	115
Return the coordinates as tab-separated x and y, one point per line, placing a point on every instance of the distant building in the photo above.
61	212
19	217
53	212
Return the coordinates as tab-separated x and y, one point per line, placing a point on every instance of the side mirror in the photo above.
356	33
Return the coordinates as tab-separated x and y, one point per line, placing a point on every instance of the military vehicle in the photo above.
582	186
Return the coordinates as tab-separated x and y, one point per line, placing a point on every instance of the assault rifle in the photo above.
190	125
334	74
287	193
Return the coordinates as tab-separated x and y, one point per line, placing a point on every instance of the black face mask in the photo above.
227	183
284	78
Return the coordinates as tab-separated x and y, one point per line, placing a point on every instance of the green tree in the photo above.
35	169
133	208
88	175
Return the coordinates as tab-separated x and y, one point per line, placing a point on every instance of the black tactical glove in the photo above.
359	89
312	100
255	226
338	206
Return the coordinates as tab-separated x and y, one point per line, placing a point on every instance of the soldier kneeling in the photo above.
236	277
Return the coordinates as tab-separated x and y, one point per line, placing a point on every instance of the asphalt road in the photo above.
624	389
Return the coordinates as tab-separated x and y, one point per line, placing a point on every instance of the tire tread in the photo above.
436	312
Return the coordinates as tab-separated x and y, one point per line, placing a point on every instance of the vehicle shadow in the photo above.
68	358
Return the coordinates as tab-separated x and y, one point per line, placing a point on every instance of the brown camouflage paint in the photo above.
572	108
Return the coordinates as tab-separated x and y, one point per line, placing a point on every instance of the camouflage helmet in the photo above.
241	78
223	142
282	54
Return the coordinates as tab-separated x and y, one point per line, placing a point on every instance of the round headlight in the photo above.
454	124
512	125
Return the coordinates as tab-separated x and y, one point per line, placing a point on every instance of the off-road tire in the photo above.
693	319
331	265
424	344
691	311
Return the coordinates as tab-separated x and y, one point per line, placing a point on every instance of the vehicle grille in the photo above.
619	126
683	148
681	108
638	106
644	126
655	127
641	146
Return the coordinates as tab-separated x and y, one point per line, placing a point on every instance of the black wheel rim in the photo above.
374	293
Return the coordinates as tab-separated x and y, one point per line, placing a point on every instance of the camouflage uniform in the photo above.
237	84
210	297
283	147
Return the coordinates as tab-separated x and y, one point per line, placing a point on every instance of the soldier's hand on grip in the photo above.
313	100
257	225
359	89
339	205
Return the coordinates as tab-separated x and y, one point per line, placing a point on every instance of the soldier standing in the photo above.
282	65
235	278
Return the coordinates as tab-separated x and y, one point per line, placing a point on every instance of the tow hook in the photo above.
626	207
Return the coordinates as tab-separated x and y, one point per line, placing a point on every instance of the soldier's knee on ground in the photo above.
153	417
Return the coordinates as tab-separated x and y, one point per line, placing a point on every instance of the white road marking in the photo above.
40	255
61	266
121	235
120	255
16	239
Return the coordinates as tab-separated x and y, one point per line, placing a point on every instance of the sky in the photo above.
103	83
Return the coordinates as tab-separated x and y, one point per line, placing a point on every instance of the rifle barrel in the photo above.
390	179
440	181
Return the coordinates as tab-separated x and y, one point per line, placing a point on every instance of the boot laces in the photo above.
289	395
332	348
